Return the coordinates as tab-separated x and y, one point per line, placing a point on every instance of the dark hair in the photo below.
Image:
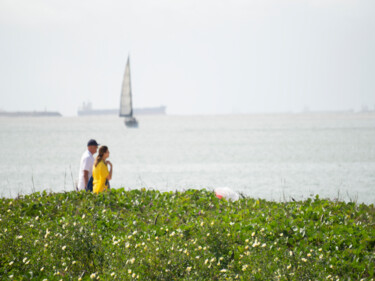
102	150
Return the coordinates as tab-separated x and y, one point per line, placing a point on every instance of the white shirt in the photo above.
87	162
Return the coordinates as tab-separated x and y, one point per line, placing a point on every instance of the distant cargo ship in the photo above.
30	114
87	110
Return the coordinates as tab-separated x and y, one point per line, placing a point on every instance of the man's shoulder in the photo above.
87	155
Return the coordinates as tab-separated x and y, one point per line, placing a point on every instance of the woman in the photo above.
100	171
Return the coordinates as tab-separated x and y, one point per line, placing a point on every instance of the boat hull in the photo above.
131	122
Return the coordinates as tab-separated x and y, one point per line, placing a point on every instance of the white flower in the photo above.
304	260
24	260
130	271
202	223
112	274
83	216
223	270
19	237
63	248
206	261
92	276
42	269
253	234
11	263
188	269
264	245
289	266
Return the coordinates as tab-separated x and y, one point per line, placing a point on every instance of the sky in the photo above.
195	57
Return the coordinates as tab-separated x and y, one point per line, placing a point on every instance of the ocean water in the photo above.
275	157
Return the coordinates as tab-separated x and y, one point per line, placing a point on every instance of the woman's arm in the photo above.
109	177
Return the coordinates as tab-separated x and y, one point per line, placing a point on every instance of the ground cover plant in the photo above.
190	235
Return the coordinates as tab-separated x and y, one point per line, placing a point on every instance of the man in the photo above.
87	162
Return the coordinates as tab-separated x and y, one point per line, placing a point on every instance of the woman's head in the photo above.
103	154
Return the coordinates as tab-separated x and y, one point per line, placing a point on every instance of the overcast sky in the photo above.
195	57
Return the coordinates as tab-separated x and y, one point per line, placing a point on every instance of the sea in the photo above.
278	157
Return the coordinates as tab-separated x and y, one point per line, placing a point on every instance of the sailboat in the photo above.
126	104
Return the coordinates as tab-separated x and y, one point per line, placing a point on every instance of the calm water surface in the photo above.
266	156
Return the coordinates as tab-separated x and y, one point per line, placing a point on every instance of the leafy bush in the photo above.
190	235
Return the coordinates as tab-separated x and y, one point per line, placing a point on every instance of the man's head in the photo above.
92	146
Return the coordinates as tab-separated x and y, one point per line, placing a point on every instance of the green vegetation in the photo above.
190	235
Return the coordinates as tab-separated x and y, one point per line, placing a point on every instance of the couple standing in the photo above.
97	168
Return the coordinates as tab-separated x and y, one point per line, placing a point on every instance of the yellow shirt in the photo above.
100	173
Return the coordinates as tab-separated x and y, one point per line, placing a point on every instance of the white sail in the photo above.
126	106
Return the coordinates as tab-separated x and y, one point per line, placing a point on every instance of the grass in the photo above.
190	235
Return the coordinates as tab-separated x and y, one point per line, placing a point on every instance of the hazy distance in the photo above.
195	57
